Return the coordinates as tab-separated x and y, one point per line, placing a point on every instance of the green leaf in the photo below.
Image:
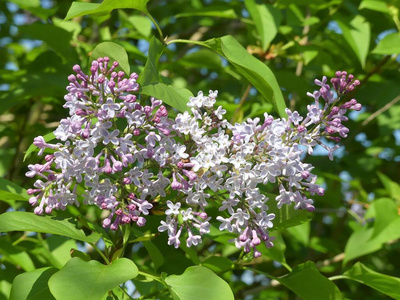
55	37
357	33
198	283
210	11
309	284
203	58
25	221
48	137
218	264
16	255
150	71
393	188
277	252
286	216
90	280
82	8
32	285
377	5
389	45
257	73
385	212
60	249
142	24
155	254
301	233
177	98
385	284
267	20
369	239
115	52
10	191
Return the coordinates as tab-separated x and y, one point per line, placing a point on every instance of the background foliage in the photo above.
350	245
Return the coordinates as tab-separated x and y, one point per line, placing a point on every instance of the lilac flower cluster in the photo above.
127	156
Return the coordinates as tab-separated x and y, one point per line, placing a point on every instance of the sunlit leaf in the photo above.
390	44
47	137
357	33
177	98
385	284
369	239
198	283
115	52
90	280
211	11
82	8
257	73
25	221
266	20
377	5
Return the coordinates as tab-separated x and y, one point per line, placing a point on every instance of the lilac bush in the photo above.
128	155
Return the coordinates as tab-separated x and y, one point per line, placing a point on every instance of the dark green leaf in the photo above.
90	280
16	255
198	283
218	264
25	221
55	37
155	254
277	252
33	285
150	72
309	284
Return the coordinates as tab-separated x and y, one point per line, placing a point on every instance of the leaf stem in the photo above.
183	41
100	252
157	26
332	278
155	277
125	292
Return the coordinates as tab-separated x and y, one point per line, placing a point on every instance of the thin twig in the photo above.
328	262
241	103
381	110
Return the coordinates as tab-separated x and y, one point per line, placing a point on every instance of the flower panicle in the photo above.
129	156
